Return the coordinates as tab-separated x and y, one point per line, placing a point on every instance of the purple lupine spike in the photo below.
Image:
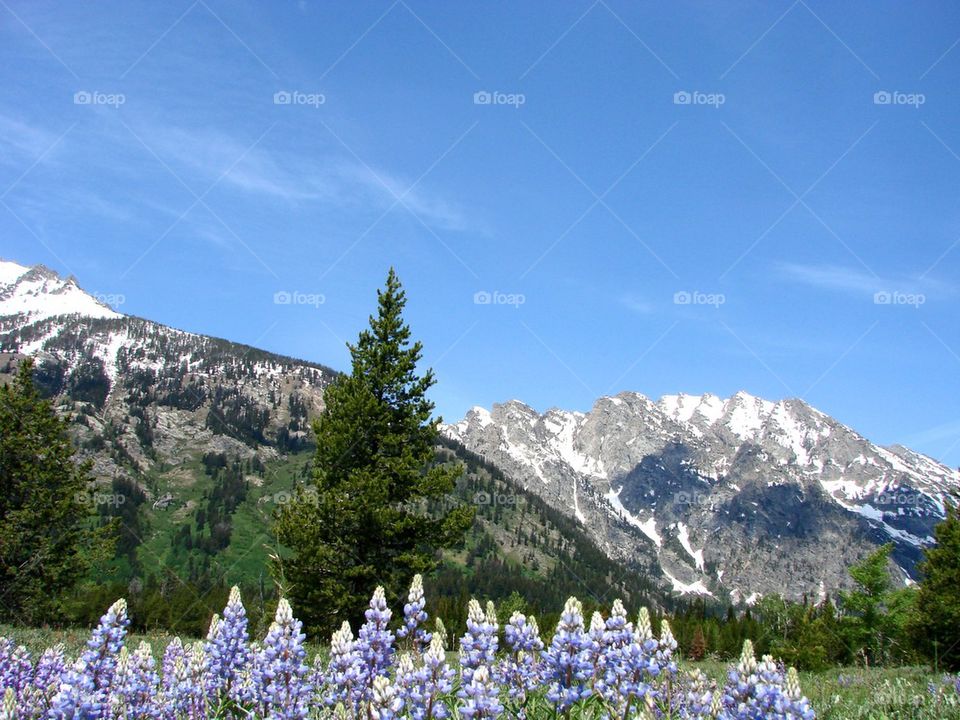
285	675
19	673
567	660
480	696
478	646
343	674
6	654
46	680
83	691
137	684
228	652
622	663
414	617
375	642
521	669
422	687
384	703
173	652
697	697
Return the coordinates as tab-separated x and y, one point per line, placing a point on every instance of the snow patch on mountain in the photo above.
684	537
648	527
695	588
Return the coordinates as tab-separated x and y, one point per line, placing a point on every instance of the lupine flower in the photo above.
45	682
414	616
478	646
480	696
384	703
631	674
84	688
173	652
228	652
284	672
697	697
16	671
521	669
567	661
441	630
8	709
343	675
797	706
374	644
137	684
630	663
422	687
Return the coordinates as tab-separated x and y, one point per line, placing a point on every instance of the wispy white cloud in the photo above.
637	305
856	281
945	431
282	176
21	141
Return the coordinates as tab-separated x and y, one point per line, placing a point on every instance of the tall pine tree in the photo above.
937	620
48	539
363	522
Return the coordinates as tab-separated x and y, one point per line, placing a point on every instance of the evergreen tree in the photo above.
49	538
937	620
363	523
874	625
698	646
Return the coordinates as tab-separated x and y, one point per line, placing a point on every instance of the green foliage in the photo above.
937	620
49	540
364	525
875	616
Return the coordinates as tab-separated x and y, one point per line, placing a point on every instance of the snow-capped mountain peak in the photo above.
39	293
741	488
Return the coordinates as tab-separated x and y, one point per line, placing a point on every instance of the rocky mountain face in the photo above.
731	498
148	397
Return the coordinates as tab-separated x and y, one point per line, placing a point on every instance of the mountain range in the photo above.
724	499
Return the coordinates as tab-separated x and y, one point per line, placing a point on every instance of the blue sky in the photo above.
683	197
